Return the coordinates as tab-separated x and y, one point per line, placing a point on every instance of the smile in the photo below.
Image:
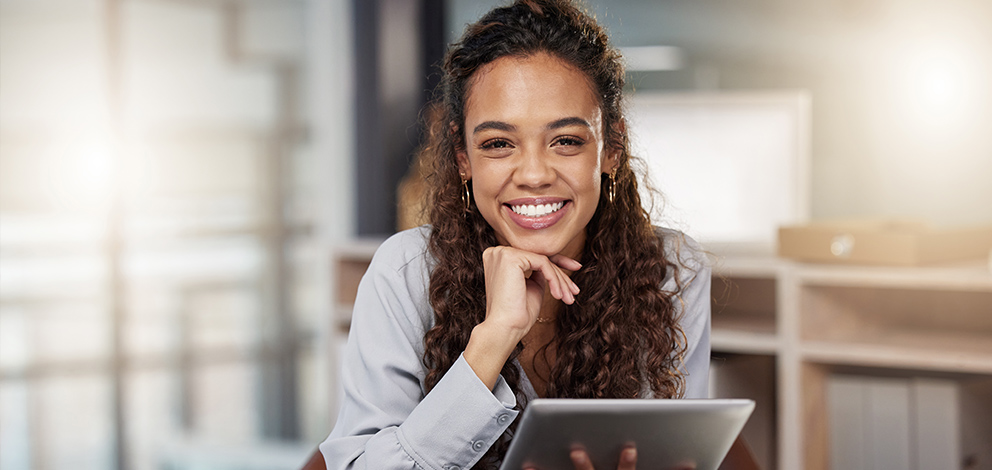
538	210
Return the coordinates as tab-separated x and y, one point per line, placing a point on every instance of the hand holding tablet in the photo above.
628	459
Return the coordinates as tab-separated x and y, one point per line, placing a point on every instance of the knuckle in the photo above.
494	250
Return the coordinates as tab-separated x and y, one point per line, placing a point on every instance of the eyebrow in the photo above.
495	125
503	126
565	122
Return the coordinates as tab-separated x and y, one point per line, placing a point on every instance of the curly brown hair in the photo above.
622	333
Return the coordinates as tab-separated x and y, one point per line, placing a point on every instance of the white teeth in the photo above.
538	210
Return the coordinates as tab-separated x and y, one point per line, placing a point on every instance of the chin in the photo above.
539	245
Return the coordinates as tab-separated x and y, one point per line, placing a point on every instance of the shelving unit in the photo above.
928	322
349	263
783	330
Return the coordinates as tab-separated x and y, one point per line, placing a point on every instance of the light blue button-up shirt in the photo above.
387	421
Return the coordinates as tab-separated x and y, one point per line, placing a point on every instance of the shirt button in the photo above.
478	446
502	419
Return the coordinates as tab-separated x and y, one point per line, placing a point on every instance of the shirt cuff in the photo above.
458	421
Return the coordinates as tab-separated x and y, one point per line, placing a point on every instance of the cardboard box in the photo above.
883	243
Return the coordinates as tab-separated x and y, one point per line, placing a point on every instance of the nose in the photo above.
535	170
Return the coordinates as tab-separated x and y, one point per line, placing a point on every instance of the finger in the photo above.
628	459
547	277
568	287
570	264
557	281
580	460
566	262
562	283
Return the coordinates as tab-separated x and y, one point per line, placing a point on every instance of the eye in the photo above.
569	141
495	144
567	145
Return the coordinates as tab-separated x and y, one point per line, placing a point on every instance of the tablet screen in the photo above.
667	433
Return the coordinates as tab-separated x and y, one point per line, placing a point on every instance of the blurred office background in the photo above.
172	175
175	174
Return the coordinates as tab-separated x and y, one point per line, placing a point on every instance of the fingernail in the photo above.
578	456
629	455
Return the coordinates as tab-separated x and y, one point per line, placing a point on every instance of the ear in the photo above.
461	155
464	167
611	156
611	160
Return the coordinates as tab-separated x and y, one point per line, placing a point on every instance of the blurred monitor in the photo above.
731	167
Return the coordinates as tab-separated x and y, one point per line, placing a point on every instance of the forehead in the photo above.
534	87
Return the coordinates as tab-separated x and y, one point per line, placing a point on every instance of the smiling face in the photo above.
535	152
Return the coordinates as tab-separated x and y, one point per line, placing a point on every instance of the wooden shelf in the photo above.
908	352
814	320
764	267
895	322
749	324
973	276
744	310
728	340
348	264
750	375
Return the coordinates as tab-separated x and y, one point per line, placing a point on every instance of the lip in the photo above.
535	201
537	223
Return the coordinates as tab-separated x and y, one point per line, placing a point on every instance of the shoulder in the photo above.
683	251
403	250
404	262
394	290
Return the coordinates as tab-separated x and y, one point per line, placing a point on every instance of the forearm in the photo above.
453	425
488	349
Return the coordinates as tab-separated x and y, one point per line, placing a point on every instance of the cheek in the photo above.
597	179
480	192
485	192
489	177
481	183
592	178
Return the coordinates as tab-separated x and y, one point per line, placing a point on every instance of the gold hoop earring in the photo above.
611	193
466	194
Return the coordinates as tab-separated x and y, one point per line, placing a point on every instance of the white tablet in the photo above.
667	433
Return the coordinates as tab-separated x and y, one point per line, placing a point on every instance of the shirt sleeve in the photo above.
386	420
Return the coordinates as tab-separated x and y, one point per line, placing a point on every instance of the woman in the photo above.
540	274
